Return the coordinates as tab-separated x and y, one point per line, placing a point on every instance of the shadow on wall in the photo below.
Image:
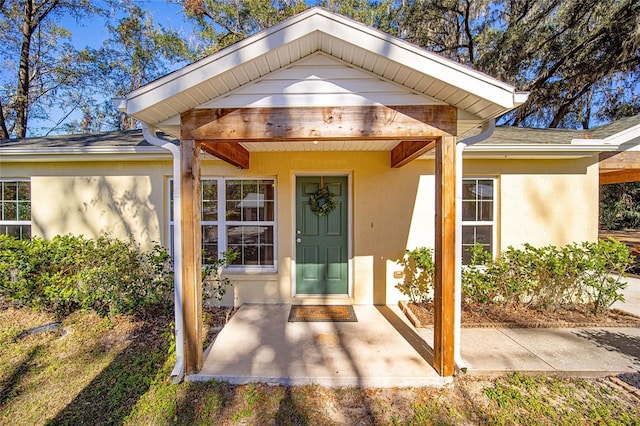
95	205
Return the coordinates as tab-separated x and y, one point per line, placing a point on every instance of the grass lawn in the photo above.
98	371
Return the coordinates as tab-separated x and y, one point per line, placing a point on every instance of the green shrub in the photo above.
69	272
214	284
546	278
477	285
604	273
419	270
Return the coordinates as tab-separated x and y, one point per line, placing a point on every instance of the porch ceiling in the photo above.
215	79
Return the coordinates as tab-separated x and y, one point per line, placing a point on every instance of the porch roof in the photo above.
426	77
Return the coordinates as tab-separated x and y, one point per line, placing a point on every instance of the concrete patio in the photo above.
260	345
383	349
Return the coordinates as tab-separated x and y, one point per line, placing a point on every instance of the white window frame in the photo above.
493	222
4	223
222	223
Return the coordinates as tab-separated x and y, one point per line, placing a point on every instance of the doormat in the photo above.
322	313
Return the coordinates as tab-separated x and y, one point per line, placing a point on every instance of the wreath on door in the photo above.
322	202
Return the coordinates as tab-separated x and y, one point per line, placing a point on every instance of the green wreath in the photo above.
322	202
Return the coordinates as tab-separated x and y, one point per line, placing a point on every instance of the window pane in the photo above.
267	189
469	210
10	211
485	189
250	200
171	201
266	255
234	190
468	235
485	211
24	211
268	211
17	231
209	243
472	235
468	189
466	255
24	191
249	187
484	235
209	200
254	243
9	191
234	197
250	255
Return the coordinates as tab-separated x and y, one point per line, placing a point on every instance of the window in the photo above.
477	216
15	204
239	215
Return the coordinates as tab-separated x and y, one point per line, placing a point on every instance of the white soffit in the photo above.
366	50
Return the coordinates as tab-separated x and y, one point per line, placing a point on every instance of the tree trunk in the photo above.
22	92
4	132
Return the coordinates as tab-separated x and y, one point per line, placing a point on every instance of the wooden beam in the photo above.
445	257
407	151
231	152
411	122
620	176
620	160
190	227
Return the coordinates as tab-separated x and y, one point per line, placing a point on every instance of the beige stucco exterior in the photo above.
92	198
538	201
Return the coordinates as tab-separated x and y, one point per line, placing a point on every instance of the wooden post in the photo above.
190	202
445	256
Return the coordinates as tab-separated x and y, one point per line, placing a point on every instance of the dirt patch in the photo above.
477	315
214	318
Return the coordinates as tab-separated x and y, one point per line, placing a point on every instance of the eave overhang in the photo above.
476	95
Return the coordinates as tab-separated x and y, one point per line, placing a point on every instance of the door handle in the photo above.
298	240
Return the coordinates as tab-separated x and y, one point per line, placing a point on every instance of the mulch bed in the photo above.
493	316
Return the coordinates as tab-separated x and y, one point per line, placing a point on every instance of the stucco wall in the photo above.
386	218
540	202
94	198
543	202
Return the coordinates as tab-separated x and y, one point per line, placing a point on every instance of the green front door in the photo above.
321	240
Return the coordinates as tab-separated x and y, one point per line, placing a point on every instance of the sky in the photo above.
93	32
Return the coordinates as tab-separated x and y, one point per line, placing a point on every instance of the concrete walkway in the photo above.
383	349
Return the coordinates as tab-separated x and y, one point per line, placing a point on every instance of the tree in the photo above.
137	52
381	15
40	66
224	22
620	206
576	57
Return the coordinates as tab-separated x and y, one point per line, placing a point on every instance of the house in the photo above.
237	146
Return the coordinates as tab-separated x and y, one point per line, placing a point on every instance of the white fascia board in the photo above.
411	56
522	148
317	19
243	51
628	139
120	104
143	153
520	97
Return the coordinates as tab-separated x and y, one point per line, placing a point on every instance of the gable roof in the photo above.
477	96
